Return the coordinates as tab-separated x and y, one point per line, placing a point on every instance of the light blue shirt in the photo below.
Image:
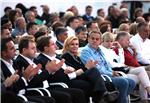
89	53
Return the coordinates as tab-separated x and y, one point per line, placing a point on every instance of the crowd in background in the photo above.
123	41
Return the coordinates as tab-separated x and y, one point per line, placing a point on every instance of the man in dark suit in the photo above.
27	49
61	35
97	87
87	16
10	79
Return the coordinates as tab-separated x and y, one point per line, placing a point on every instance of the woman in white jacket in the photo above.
138	74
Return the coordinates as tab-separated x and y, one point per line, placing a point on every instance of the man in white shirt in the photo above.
141	43
72	24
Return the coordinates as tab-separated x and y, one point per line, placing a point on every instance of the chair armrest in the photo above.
59	84
122	74
35	90
103	76
23	97
45	90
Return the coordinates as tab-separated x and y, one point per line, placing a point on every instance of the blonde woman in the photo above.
89	72
138	74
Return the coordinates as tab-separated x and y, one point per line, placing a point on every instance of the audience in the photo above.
141	43
92	52
81	33
138	74
22	21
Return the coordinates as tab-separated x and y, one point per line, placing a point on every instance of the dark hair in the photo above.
30	25
32	8
80	29
38	34
42	42
12	15
71	19
121	34
141	24
24	42
4	21
88	6
4	41
7	8
88	25
99	10
146	15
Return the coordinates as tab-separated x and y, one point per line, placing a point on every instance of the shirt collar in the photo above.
93	49
29	60
140	38
50	57
7	63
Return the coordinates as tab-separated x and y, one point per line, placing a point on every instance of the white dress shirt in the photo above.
70	75
142	49
70	31
12	70
110	55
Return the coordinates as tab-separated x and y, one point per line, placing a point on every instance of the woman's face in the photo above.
73	46
108	43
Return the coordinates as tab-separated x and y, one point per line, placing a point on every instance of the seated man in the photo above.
47	48
27	49
141	43
92	52
61	35
12	81
130	60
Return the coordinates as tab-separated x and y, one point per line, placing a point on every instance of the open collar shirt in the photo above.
89	53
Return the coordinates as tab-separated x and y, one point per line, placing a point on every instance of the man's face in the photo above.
11	51
22	24
75	23
125	41
94	40
82	35
33	30
63	36
52	47
6	33
145	31
88	11
31	50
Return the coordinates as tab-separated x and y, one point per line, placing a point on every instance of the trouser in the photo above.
125	87
68	95
140	76
93	77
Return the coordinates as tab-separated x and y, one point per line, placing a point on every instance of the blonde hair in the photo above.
67	43
133	29
107	36
123	27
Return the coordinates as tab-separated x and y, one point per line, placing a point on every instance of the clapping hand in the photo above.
53	66
12	79
69	70
30	71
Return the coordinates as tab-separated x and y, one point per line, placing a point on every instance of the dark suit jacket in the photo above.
58	76
17	85
60	46
37	80
73	61
88	19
